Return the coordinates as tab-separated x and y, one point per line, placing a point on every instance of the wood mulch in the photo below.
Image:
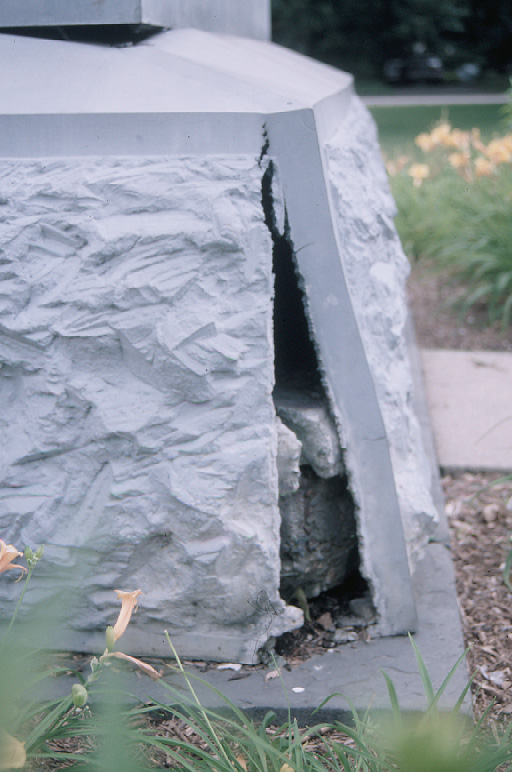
481	525
480	518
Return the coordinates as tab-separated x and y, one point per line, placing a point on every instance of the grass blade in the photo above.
424	674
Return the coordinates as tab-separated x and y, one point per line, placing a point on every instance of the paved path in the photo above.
469	395
413	100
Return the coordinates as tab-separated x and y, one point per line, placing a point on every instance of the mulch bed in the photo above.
481	527
480	520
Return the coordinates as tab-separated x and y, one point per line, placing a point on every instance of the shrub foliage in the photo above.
455	205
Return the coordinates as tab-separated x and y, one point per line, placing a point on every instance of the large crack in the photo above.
319	545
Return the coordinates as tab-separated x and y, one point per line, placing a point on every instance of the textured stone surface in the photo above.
136	340
376	269
137	328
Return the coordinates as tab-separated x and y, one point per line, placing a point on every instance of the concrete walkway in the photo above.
469	395
415	100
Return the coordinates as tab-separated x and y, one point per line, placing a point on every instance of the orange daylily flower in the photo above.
419	172
499	151
8	553
483	167
459	160
129	604
12	752
459	139
425	142
441	135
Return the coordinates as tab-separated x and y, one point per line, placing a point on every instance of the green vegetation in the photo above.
92	730
398	126
454	205
359	35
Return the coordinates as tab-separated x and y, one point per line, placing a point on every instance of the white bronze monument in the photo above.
145	191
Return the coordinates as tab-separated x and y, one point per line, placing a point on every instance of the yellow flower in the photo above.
12	752
499	151
425	142
8	553
441	135
129	604
506	141
459	139
418	172
286	768
458	160
483	167
396	166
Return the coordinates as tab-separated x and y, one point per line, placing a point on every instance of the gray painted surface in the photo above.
250	19
347	376
182	236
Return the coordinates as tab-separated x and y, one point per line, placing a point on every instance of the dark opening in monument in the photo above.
319	550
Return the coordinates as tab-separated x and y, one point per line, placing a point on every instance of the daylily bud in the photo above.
39	552
111	638
29	555
79	695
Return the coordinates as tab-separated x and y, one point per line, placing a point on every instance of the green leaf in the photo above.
395	707
507	570
425	677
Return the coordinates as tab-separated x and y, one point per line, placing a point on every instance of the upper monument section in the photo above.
250	18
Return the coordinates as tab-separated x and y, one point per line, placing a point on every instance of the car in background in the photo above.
416	68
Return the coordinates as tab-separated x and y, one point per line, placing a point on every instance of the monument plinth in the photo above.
250	18
205	380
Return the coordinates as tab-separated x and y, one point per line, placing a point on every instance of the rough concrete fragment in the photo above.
136	339
318	532
289	450
309	418
318	535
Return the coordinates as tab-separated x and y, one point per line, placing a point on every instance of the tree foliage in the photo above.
361	34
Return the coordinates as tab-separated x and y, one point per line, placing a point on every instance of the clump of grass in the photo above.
455	206
94	729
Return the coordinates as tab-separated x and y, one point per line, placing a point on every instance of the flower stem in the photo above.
18	605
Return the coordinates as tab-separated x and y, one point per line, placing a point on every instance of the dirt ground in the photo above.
480	518
438	326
